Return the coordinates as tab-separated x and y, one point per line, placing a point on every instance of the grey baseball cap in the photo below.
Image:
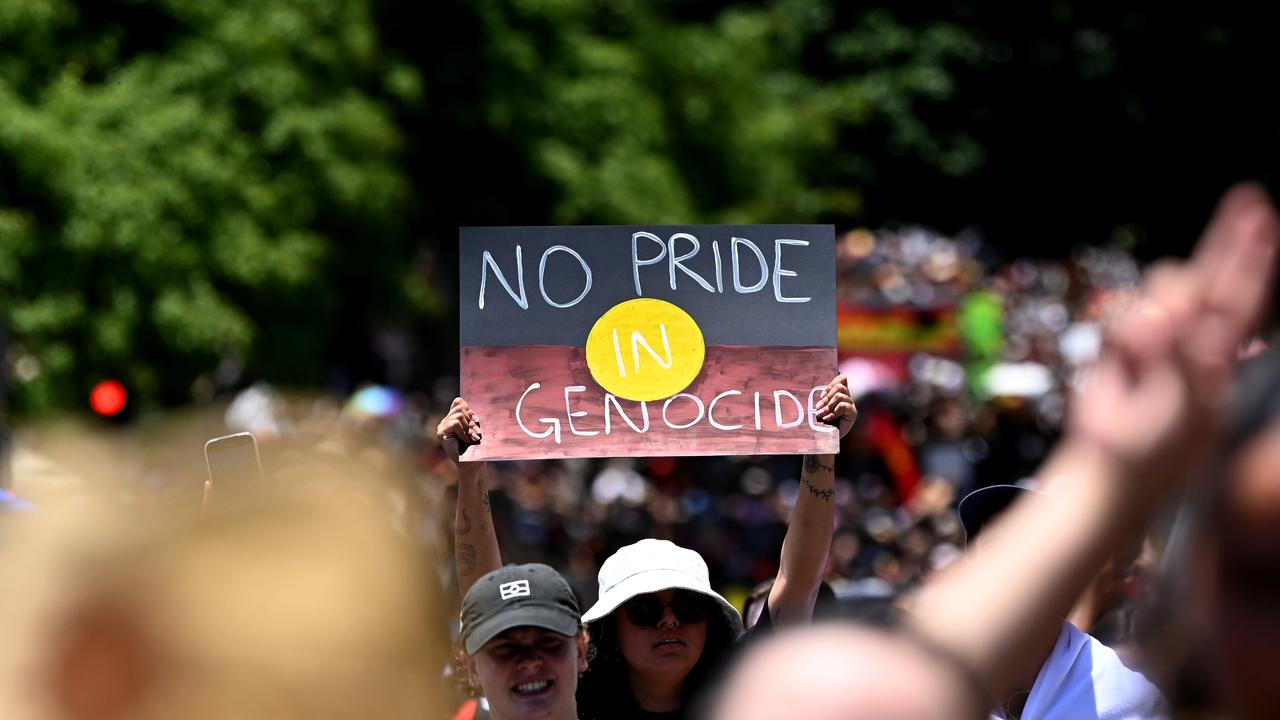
532	595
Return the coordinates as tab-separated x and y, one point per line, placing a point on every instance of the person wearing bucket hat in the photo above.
658	629
523	643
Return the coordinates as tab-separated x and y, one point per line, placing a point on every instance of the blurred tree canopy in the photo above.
187	182
194	184
583	111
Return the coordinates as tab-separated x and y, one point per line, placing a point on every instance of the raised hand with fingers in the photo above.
1139	428
803	562
459	430
475	542
1154	398
836	407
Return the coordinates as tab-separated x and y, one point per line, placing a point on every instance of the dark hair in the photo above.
1182	668
605	684
1254	410
825	606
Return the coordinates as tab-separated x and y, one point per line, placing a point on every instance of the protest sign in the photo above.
623	341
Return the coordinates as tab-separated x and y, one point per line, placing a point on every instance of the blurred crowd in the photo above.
984	411
968	391
937	420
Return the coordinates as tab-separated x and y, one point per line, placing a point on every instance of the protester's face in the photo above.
663	634
1241	564
529	672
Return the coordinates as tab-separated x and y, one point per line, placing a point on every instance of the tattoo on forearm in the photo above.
464	526
823	494
484	498
466	559
813	464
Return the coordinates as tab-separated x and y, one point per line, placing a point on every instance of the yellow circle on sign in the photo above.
645	349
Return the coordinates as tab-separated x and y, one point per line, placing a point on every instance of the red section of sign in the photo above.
716	415
108	398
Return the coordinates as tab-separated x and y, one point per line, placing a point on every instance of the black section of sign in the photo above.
726	315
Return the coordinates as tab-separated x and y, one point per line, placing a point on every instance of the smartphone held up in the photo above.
234	465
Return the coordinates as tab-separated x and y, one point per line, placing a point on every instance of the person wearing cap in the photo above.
523	643
1074	674
658	629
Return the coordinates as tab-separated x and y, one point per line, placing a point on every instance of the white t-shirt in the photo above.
1085	679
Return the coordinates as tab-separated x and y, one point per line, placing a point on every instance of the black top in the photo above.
628	709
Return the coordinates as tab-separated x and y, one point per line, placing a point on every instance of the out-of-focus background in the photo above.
219	216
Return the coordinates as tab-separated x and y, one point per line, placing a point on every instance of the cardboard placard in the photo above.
647	340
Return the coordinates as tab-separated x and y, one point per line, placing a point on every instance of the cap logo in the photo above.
514	589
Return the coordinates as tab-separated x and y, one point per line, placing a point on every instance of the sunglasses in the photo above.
647	610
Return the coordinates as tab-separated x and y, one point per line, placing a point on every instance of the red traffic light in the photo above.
108	398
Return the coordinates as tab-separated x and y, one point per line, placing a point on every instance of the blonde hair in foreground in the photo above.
295	600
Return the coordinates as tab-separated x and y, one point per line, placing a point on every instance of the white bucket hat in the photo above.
651	566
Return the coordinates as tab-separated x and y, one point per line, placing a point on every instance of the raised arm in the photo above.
475	543
813	520
1144	423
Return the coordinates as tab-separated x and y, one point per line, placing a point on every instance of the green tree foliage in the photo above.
279	182
184	181
633	111
1046	125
